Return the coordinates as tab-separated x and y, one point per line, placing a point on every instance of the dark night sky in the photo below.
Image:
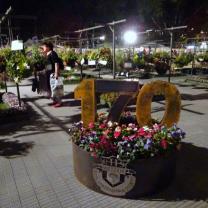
59	16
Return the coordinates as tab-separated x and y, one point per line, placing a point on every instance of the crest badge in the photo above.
113	177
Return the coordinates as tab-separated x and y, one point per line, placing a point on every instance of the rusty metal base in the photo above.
112	177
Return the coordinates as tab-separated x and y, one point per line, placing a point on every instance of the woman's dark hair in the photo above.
48	44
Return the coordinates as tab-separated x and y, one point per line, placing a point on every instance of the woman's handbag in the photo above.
57	86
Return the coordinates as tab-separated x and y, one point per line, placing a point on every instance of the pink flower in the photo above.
131	125
149	135
91	125
105	133
156	127
164	144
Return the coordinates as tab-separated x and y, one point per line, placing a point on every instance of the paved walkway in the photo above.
36	168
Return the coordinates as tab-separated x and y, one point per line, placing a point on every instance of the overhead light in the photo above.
130	37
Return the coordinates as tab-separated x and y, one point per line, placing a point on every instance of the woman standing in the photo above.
51	68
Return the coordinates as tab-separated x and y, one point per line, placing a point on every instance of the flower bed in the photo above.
126	141
12	100
13	113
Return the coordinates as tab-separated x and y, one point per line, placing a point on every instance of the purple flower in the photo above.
148	144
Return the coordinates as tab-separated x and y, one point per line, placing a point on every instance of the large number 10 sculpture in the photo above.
88	89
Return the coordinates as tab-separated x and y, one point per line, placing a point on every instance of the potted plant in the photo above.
109	98
123	159
69	57
183	59
5	54
17	66
161	61
35	58
119	58
93	57
106	55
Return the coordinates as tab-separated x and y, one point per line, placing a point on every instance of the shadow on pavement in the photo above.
12	125
71	103
202	96
191	180
12	149
69	96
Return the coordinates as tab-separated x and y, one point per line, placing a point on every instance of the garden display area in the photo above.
121	142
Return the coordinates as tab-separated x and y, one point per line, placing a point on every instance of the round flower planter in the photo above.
117	178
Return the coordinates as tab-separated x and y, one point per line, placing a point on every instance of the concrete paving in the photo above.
36	166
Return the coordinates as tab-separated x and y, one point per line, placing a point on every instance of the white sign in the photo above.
91	62
17	45
127	65
102	62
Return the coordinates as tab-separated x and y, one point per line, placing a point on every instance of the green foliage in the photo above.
105	54
183	59
139	61
17	67
109	98
3	106
35	58
161	56
5	54
202	57
93	55
119	58
68	55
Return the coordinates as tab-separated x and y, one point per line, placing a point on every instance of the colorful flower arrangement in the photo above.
126	141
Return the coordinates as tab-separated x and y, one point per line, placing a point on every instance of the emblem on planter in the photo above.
113	177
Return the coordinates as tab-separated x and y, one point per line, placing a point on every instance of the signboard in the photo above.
17	45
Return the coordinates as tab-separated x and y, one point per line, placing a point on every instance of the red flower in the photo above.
141	132
117	134
164	144
102	126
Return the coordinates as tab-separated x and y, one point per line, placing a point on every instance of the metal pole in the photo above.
80	43
193	62
171	47
1	42
114	53
81	73
10	30
18	94
93	41
5	83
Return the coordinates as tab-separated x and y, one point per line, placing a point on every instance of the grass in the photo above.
3	106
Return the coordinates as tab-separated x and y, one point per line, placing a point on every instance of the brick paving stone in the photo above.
44	177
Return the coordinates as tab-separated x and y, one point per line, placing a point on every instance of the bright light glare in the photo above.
130	37
203	45
102	37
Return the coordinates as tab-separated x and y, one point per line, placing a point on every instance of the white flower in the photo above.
146	128
110	123
118	129
16	79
